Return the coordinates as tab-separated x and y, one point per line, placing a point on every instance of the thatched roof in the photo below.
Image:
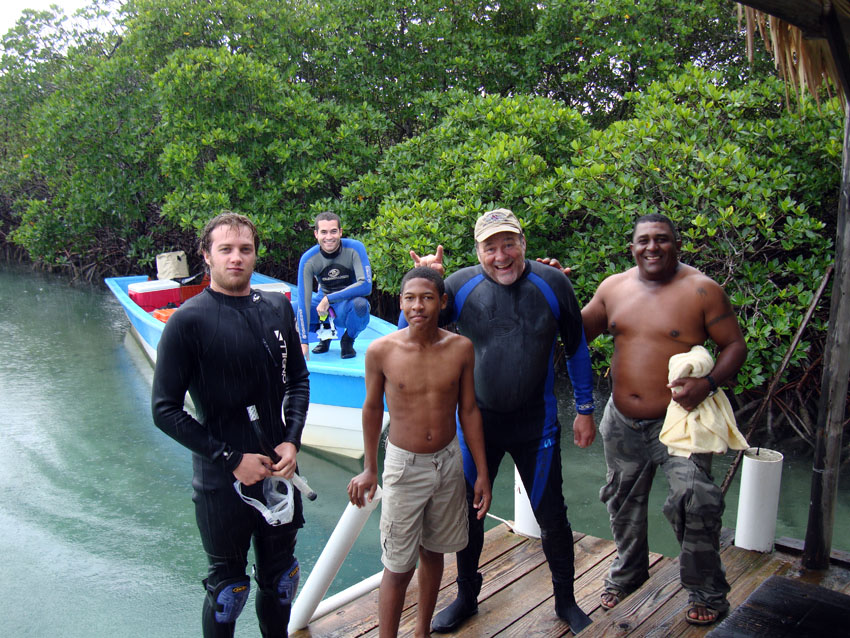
807	38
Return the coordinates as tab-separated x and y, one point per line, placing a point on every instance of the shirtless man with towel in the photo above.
655	310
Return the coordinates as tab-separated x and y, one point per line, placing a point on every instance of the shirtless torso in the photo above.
657	309
427	377
422	385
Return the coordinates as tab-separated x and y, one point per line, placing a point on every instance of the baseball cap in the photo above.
496	221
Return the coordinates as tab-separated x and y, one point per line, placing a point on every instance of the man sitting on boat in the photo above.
344	275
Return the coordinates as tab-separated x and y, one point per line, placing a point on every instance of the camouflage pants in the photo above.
694	507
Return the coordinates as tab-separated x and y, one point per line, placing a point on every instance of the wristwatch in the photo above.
712	384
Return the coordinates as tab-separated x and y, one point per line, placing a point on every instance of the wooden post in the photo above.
836	370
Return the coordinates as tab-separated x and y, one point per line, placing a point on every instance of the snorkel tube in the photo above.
297	481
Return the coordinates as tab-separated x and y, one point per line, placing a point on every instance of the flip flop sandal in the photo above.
611	597
697	608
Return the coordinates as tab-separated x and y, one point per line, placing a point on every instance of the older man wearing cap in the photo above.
513	310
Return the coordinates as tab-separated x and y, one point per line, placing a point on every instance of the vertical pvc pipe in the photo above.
524	521
758	503
330	560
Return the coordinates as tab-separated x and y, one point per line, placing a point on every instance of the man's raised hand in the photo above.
434	260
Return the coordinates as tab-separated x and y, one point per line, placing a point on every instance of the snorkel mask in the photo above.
279	506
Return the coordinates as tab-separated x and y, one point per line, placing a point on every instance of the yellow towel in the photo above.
708	428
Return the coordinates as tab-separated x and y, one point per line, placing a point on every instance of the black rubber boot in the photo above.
322	346
464	606
346	346
567	608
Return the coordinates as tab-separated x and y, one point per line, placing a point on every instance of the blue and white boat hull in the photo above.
337	387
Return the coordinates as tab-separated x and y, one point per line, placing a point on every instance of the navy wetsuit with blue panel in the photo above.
514	330
345	277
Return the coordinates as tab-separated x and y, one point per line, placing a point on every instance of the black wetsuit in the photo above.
231	353
513	330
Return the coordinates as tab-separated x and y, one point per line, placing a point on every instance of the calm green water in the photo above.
97	529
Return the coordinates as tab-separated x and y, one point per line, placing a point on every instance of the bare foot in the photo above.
700	614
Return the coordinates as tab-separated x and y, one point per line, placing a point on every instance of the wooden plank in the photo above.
506	569
505	606
590	594
742	588
499	569
744	569
517	601
795	546
360	616
626	617
506	591
783	607
837	577
658	604
630	614
592	559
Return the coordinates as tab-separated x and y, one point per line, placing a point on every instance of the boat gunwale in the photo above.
336	367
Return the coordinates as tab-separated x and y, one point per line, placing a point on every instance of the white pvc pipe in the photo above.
524	521
332	603
758	502
339	544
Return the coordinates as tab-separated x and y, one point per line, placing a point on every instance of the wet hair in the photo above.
425	272
226	218
327	216
656	218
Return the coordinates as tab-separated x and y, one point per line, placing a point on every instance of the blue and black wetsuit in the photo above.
345	277
230	353
514	330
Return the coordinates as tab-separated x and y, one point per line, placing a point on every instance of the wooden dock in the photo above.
516	597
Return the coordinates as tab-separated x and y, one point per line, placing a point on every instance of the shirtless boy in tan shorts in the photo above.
427	376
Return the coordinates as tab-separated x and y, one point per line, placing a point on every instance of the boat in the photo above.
337	386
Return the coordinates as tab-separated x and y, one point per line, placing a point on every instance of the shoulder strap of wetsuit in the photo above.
463	293
548	293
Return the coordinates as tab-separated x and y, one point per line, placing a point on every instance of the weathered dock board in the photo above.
786	608
516	597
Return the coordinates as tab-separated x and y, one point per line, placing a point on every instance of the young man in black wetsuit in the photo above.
513	310
232	348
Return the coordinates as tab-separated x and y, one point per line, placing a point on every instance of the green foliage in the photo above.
158	28
591	55
412	118
321	82
237	135
387	52
34	53
92	152
751	187
586	54
486	151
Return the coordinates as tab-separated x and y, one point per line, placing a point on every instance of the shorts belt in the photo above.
434	458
